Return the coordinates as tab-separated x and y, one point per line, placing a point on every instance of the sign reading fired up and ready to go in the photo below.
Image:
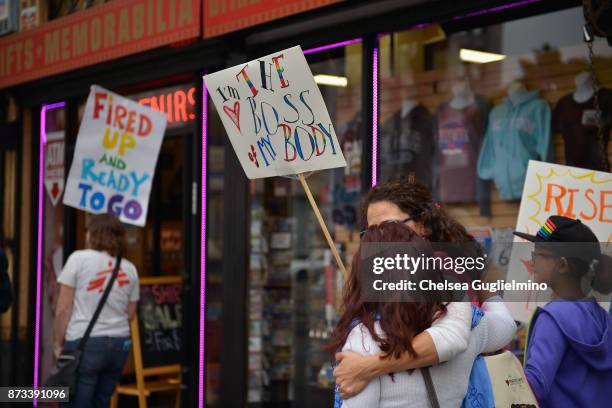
115	157
275	116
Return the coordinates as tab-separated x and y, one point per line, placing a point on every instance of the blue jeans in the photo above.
99	370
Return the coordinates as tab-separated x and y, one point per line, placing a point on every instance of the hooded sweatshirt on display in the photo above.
569	355
516	134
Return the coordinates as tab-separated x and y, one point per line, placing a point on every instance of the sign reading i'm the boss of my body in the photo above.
275	116
115	157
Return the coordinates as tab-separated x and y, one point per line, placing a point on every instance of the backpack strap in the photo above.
101	303
477	314
429	386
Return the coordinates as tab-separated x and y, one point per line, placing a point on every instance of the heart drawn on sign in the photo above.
253	156
233	114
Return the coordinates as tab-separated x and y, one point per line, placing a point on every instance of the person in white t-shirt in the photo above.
82	282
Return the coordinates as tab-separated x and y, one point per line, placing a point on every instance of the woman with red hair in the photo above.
387	329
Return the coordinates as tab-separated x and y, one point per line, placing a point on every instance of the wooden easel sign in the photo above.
156	341
277	121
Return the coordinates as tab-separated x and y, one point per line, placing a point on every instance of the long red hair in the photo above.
400	321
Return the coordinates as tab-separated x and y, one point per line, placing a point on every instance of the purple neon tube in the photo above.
332	46
375	117
203	247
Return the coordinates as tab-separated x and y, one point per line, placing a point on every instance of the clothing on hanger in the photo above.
459	134
407	145
577	123
517	132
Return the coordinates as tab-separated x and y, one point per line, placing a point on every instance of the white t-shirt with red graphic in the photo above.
88	271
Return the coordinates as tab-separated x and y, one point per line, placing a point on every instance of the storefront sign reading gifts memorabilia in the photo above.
115	157
553	189
275	116
101	33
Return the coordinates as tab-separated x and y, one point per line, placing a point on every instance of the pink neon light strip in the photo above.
39	238
497	9
332	46
375	117
203	248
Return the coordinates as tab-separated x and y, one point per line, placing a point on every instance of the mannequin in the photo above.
516	91
460	126
407	106
584	87
575	118
463	96
407	142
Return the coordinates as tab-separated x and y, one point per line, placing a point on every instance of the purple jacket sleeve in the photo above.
545	349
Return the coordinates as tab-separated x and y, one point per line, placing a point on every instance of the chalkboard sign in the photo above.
160	321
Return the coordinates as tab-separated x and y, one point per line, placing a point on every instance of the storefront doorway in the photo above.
163	248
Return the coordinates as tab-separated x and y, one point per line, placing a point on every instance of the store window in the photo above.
464	108
293	281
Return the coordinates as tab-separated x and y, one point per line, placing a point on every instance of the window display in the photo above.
293	280
500	95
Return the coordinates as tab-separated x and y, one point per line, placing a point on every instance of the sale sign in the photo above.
275	116
115	157
54	165
554	189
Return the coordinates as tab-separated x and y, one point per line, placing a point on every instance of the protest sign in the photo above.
275	116
277	122
554	189
115	157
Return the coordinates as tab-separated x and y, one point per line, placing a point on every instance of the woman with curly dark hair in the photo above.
406	201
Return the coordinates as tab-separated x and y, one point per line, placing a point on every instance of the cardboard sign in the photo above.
115	157
54	166
553	189
275	116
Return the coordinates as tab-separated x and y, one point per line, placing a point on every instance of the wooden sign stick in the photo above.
315	208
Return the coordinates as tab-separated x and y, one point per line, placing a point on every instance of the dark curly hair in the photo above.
414	198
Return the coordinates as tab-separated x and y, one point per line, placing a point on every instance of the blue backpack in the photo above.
479	392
